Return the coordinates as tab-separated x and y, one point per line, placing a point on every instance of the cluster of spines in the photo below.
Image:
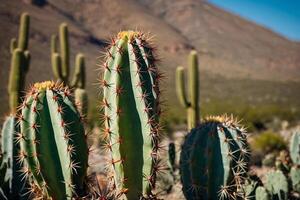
189	99
234	153
138	52
32	142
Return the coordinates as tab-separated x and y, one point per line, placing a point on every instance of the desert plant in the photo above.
268	142
214	160
12	185
131	114
277	185
261	193
191	103
295	156
53	142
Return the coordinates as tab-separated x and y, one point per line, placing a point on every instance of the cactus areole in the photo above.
53	144
213	161
131	114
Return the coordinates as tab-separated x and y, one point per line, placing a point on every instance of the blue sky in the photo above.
281	16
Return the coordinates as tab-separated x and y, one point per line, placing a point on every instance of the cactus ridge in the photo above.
131	114
213	160
53	144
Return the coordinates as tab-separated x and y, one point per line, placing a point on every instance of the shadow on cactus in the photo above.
53	143
131	115
214	160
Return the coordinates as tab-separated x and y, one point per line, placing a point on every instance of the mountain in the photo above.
239	60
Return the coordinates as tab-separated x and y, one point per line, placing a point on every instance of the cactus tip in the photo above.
128	34
44	85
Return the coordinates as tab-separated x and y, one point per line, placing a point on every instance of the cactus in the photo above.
295	148
261	193
61	60
295	178
131	114
81	100
13	187
249	188
277	185
191	103
214	159
172	155
53	143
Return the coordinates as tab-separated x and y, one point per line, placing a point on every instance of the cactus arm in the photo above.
24	32
27	57
13	45
64	51
194	89
54	44
79	74
180	87
15	80
81	99
56	66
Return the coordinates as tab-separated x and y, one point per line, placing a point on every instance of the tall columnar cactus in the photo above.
53	142
131	114
277	185
191	103
214	160
13	186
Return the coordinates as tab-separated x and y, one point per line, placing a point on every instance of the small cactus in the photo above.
131	114
53	142
214	160
277	185
191	103
172	155
261	193
295	178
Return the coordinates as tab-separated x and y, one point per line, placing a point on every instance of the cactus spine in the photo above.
214	160
13	186
191	103
53	143
131	114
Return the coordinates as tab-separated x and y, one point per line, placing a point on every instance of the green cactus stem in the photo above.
172	155
13	45
53	142
261	193
81	100
131	114
295	148
295	177
214	160
64	50
79	74
13	186
277	185
191	103
24	32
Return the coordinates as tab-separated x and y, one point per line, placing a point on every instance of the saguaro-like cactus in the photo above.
53	143
131	114
13	186
191	103
61	60
214	160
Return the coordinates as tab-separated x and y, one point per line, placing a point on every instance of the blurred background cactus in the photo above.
190	98
13	186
